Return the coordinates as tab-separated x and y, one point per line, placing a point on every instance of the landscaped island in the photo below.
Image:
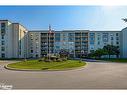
41	65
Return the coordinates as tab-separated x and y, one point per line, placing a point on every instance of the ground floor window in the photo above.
36	55
3	55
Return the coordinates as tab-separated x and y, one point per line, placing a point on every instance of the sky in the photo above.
67	17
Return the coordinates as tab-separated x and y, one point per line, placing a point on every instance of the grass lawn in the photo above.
116	60
36	65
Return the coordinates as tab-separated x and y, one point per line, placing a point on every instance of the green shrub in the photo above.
44	68
54	60
59	60
64	59
48	60
40	60
80	61
25	60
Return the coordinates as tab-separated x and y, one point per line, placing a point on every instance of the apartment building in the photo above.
13	40
123	43
77	42
34	44
18	42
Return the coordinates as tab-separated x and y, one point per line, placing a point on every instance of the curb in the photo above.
6	67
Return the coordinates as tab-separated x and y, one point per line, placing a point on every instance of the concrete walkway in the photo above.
96	75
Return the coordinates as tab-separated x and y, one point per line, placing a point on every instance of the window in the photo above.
78	39
44	34
57	47
98	43
2	43
117	34
2	48
70	34
105	44
111	38
117	38
36	55
57	34
84	43
92	34
105	37
31	51
57	38
92	42
84	38
117	43
111	34
98	38
84	34
3	55
92	38
92	47
64	37
84	48
98	34
71	37
3	27
2	37
78	34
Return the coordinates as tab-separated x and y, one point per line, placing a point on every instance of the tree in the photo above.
91	54
124	19
111	50
98	53
117	51
64	53
106	50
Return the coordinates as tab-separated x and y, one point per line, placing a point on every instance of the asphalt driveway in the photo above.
96	75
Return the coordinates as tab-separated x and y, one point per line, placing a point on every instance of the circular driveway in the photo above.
96	75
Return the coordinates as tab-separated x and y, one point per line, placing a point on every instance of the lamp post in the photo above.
82	52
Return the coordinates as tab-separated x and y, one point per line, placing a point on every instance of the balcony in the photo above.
84	34
77	40
77	44
77	48
44	37
51	41
42	41
84	41
78	36
84	38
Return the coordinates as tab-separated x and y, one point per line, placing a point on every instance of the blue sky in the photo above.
67	17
